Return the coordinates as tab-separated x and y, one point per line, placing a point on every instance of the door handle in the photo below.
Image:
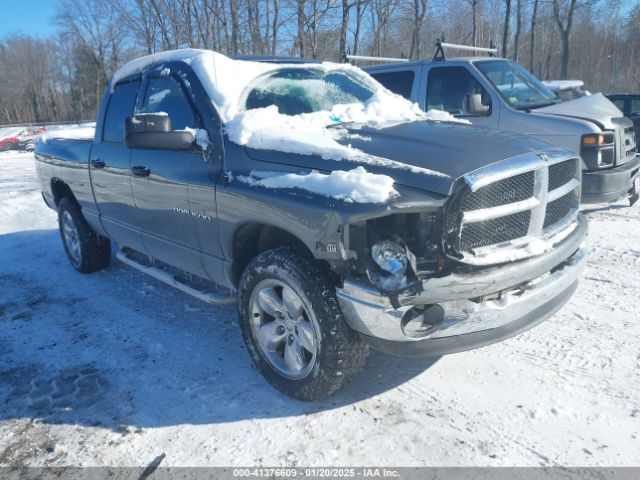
97	163
140	171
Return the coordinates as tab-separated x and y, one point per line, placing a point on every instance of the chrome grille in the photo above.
628	145
509	190
504	206
560	208
561	173
481	234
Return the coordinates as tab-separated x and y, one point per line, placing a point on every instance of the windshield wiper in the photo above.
535	105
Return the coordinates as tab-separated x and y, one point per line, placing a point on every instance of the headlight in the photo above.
598	149
390	257
598	139
593	139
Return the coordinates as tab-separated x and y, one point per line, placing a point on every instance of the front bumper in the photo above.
478	308
606	186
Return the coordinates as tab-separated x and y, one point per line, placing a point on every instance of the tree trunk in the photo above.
235	27
564	26
474	24
516	40
532	45
344	25
419	11
360	8
301	21
505	30
275	26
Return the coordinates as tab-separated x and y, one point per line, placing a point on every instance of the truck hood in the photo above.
426	155
596	108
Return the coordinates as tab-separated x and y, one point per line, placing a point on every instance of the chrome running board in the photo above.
210	293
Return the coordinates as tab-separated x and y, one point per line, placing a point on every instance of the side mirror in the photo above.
153	131
474	106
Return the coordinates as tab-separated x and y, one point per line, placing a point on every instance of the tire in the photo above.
87	251
327	353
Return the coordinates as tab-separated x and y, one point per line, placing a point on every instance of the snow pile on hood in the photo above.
355	185
85	131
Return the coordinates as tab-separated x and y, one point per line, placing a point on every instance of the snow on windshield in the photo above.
227	81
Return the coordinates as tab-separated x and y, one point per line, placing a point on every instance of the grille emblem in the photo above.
543	157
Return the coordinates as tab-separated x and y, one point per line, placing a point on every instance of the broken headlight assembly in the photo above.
393	250
393	260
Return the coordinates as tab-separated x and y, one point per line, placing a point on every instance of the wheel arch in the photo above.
252	239
60	190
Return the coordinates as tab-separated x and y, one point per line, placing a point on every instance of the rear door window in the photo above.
400	82
120	107
165	95
635	106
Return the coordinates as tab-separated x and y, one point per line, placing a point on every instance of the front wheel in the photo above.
293	326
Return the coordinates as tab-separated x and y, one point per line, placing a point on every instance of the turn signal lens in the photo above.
593	139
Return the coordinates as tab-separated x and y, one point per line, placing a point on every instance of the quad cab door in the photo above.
448	88
161	185
109	167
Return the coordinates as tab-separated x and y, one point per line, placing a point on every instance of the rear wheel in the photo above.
293	326
87	251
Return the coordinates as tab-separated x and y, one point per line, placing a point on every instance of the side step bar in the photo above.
212	296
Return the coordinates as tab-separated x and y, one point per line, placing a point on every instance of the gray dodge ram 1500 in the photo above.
480	240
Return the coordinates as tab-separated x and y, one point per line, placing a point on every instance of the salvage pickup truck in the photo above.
308	195
499	93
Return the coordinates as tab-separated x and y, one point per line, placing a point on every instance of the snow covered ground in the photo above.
115	368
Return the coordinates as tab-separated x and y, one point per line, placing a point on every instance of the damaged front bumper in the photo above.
467	310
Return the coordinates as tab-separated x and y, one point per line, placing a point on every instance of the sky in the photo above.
31	17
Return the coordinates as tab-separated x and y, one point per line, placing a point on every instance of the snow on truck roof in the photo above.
264	126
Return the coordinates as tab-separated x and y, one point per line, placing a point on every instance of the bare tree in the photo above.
564	20
94	24
361	7
532	36
234	48
275	26
302	20
505	28
344	27
419	12
516	38
474	21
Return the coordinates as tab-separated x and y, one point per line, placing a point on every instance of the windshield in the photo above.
295	91
520	88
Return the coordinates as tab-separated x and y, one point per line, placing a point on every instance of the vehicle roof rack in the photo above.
374	59
441	45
